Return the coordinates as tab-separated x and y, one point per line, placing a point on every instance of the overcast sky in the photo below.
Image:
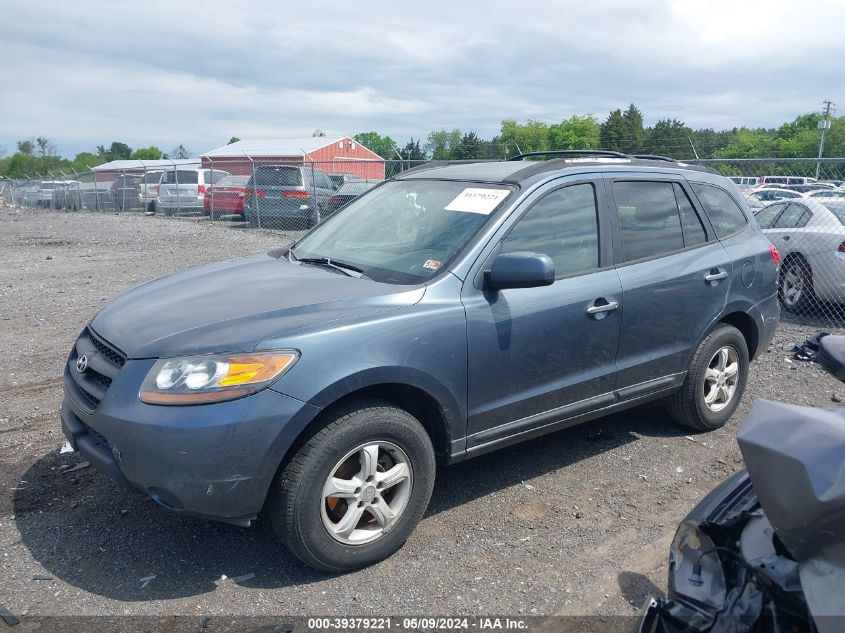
86	73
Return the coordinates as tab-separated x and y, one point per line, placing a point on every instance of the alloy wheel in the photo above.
721	378
366	493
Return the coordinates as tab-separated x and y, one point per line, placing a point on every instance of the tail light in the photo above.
842	247
255	192
154	189
298	195
775	253
200	189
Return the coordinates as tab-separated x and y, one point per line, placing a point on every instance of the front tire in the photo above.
354	492
715	381
795	286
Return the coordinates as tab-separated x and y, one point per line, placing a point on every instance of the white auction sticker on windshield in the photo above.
477	200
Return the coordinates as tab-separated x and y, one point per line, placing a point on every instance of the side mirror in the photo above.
520	270
832	355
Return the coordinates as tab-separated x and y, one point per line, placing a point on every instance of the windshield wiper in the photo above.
346	269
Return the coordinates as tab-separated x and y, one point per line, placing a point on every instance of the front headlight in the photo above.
213	378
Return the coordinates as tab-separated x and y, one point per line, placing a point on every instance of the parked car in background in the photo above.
339	179
148	190
90	194
287	196
439	316
810	235
124	192
347	192
787	180
827	193
744	183
816	186
182	190
758	198
43	195
63	194
226	196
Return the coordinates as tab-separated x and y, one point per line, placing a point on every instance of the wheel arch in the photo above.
423	397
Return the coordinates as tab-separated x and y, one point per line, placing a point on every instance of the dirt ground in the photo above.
578	522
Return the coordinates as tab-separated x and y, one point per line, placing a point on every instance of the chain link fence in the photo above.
798	203
800	206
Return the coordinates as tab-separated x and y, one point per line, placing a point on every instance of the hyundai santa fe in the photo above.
452	310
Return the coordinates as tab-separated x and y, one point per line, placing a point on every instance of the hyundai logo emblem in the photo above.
82	364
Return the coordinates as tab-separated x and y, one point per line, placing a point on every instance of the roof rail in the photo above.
571	152
655	157
438	163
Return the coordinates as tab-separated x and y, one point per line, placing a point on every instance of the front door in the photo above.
538	355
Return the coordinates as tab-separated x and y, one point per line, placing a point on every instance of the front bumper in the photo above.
215	461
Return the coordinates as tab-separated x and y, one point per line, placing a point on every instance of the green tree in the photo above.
518	138
443	144
27	148
116	151
381	145
83	160
635	134
669	137
318	132
470	147
180	151
576	132
147	153
412	151
613	132
234	139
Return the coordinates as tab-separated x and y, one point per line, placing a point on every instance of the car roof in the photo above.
518	170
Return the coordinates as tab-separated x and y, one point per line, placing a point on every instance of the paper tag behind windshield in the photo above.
477	200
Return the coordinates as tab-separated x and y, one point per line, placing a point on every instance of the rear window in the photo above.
837	209
233	181
278	177
153	176
725	214
183	177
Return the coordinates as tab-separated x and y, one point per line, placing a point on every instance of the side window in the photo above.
767	215
795	217
563	225
725	214
648	215
694	232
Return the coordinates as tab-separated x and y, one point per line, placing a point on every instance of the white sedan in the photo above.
810	234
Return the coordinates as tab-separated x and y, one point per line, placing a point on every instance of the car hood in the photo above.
232	306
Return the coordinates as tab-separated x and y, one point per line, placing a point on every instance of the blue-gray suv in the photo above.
450	311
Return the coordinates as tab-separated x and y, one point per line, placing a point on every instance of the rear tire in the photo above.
715	381
311	522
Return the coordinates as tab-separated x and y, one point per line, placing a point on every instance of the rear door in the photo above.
674	274
539	355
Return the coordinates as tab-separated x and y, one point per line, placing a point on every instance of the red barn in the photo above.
331	154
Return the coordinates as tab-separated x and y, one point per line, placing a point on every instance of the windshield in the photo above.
404	231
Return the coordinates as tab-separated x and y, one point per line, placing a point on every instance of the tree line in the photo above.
622	131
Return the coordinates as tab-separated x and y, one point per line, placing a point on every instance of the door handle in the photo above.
602	307
716	276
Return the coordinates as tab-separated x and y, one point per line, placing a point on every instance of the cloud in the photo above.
86	73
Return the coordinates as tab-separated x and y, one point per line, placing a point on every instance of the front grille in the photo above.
104	363
115	356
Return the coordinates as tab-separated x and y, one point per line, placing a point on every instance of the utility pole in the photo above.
824	126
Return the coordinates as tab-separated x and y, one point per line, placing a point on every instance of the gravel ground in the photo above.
578	522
